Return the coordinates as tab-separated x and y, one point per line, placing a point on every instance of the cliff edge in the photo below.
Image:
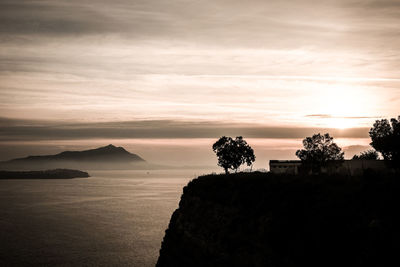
261	219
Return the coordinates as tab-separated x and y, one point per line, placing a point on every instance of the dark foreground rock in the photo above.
48	174
260	219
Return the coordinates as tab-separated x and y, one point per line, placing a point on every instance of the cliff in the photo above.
259	219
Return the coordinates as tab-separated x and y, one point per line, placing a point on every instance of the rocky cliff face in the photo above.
265	220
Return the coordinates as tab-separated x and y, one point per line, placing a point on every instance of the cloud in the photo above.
75	18
328	116
375	4
323	116
26	130
48	17
255	23
266	62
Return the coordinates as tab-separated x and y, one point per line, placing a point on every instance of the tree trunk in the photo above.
226	171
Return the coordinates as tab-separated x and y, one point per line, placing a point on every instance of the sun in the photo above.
343	106
340	123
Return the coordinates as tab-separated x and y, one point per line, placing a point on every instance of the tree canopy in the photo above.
319	149
367	155
232	153
385	137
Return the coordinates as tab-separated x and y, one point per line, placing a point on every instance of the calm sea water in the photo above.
114	218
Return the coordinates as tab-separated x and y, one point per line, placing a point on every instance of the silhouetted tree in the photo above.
318	150
232	153
367	155
385	138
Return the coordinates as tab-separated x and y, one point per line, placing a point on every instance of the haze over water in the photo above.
114	218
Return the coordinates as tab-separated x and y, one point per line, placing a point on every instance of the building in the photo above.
349	167
284	166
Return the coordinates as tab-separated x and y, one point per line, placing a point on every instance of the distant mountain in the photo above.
109	153
107	157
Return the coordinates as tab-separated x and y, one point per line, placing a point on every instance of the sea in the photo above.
113	218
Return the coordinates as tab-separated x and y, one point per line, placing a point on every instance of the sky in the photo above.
165	79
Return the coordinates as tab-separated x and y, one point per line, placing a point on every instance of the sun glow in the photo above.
344	106
340	123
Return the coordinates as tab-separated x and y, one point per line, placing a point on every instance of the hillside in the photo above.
259	219
107	157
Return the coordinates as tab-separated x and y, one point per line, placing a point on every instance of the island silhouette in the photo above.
106	157
47	174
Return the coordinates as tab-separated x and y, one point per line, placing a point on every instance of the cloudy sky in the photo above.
167	78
